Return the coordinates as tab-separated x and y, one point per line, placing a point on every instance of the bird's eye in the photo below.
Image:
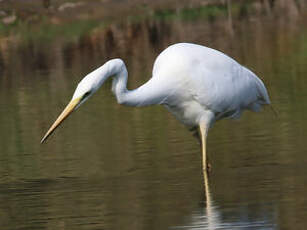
86	94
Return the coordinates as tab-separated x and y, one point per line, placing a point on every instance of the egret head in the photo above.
85	89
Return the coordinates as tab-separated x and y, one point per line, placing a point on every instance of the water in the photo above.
115	167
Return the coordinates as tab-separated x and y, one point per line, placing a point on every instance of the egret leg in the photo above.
204	127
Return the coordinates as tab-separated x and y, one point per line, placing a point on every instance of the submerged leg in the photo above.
204	127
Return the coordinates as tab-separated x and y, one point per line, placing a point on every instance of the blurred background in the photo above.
115	167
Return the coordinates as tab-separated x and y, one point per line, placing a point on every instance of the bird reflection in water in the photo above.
209	216
197	84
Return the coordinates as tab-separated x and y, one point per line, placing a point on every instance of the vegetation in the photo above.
46	21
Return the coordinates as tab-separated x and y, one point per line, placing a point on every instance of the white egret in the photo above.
199	85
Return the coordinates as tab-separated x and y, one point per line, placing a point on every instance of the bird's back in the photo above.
216	81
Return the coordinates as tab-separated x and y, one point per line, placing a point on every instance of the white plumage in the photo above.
199	85
199	81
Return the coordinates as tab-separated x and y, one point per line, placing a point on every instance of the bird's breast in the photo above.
188	112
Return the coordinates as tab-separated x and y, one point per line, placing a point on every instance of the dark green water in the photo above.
115	167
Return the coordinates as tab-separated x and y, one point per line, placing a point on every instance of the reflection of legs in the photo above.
203	126
212	220
207	192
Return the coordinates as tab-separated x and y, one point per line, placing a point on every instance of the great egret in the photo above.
199	85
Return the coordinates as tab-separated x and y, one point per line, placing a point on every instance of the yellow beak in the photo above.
66	112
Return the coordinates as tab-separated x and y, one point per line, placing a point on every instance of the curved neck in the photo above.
147	94
119	84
